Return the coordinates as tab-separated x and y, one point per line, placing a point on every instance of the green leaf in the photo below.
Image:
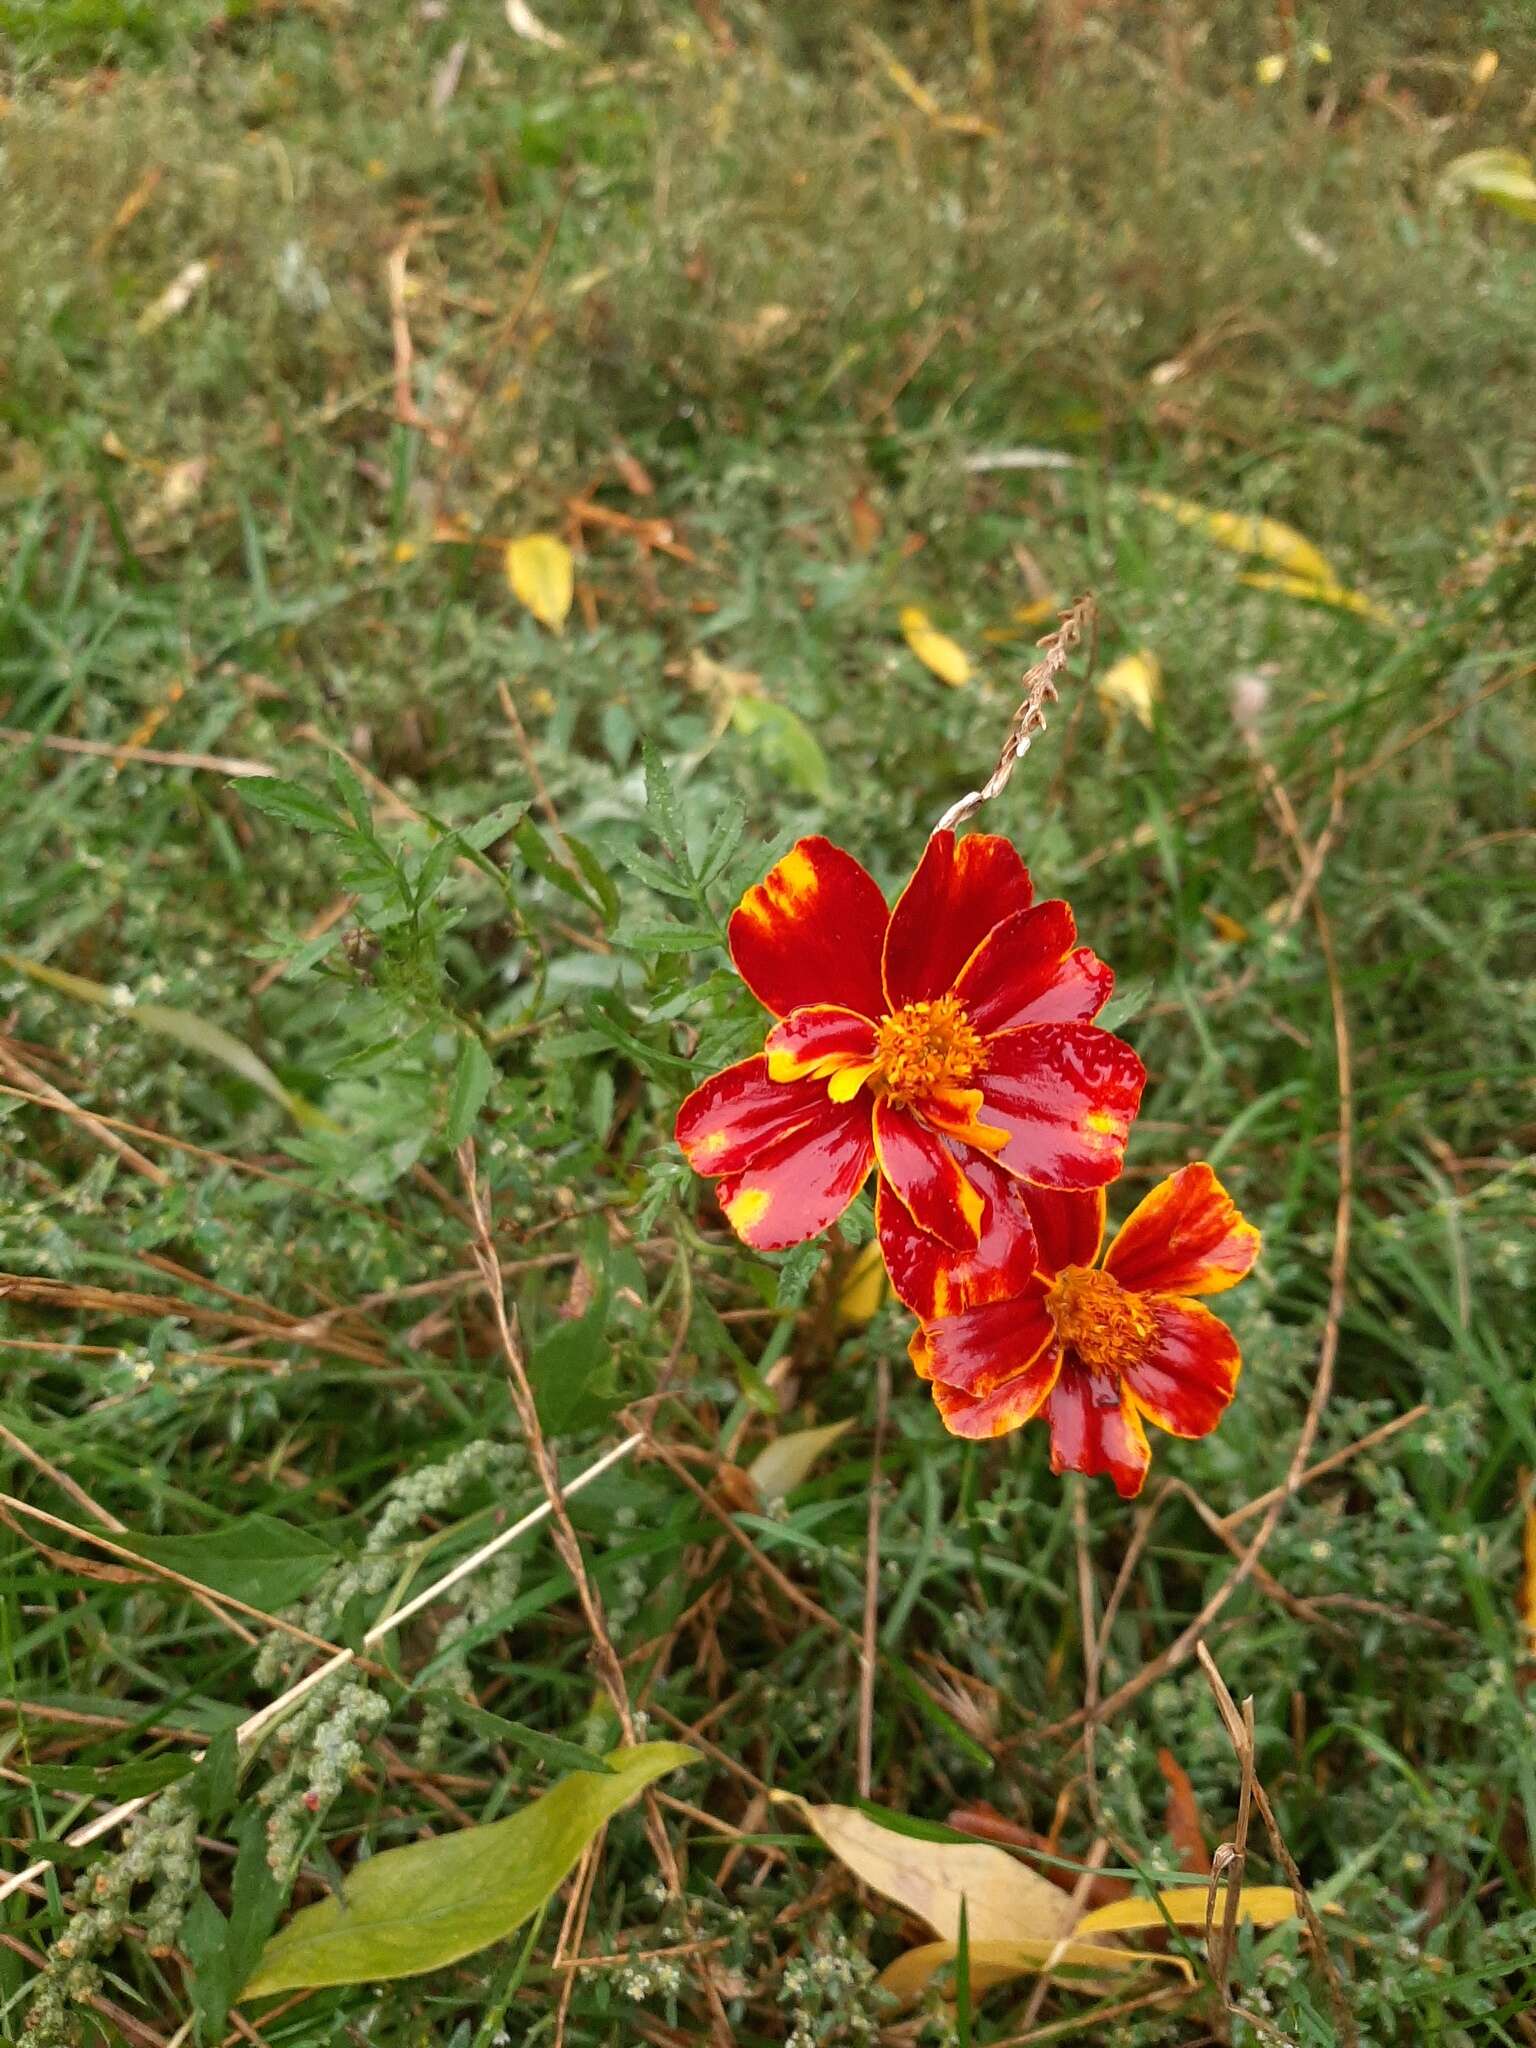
419	1908
218	1776
566	1364
786	743
530	844
599	877
292	804
669	938
435	869
267	1563
493	826
188	1029
204	1940
473	1073
551	1750
656	875
662	807
352	794
135	1780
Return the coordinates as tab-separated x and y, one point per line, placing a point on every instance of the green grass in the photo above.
776	284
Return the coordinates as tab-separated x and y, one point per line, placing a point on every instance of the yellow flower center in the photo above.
927	1046
1107	1326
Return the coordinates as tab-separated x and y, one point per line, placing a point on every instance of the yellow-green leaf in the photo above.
1245	533
786	1462
942	656
1504	177
1335	595
188	1029
542	574
1134	683
418	1908
998	1962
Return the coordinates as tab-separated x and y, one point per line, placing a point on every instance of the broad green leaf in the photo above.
529	842
267	1563
567	1364
136	1780
195	1033
787	743
473	1073
542	574
419	1908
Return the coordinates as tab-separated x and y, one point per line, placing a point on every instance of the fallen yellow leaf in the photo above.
1266	1905
944	657
1245	533
866	1288
542	574
1005	1901
1334	595
998	1962
1134	683
786	1462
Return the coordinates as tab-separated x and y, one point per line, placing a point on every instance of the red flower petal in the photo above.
1095	1428
1030	970
932	1279
1066	1094
811	932
738	1113
1186	1237
1068	1225
960	891
1190	1371
820	1039
925	1173
976	1351
804	1182
1007	1407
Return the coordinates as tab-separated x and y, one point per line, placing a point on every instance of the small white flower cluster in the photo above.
486	1592
832	1993
160	1850
322	1745
650	1977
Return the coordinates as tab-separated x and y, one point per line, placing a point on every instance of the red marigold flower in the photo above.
963	1014
1031	1323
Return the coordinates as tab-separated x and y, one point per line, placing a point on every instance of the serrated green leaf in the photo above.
267	1563
662	806
656	876
474	1072
669	938
436	868
418	1908
494	825
352	794
292	804
530	844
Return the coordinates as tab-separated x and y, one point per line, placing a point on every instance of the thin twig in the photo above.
1349	2034
155	757
867	1647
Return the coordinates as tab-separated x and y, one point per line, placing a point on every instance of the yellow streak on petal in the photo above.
1102	1122
710	1146
748	1207
847	1082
